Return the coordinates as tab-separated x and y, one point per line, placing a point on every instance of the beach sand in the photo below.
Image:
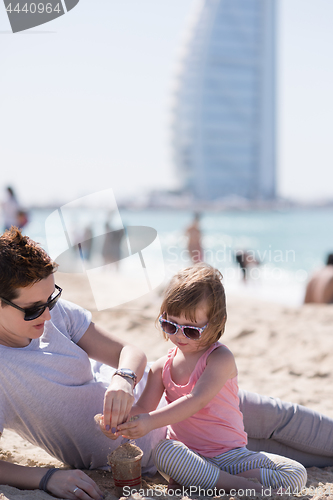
280	351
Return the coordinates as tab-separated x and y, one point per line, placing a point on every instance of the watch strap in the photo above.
126	373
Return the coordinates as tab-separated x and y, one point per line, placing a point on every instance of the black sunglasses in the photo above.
191	332
34	312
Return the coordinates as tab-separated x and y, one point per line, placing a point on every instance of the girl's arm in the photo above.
153	390
220	367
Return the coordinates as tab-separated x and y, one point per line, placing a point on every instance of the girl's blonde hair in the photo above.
188	289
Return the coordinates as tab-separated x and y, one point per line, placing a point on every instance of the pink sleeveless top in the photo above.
216	428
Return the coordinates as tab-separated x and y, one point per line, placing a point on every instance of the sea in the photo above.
287	244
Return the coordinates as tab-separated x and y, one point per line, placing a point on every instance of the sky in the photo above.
85	100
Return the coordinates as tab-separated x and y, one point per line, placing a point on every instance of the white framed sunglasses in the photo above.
190	332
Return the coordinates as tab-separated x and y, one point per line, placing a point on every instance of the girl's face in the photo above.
179	339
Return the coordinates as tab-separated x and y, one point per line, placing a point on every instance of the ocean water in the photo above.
289	244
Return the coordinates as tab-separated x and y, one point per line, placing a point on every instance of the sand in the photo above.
280	351
125	452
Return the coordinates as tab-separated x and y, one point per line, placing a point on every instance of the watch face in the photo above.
127	372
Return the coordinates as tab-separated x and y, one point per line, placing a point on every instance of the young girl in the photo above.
206	441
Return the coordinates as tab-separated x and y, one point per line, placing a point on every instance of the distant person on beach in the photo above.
50	390
193	234
13	215
22	219
319	289
246	262
10	208
241	260
199	379
112	244
86	243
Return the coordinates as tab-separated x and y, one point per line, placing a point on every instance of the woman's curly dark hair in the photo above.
22	263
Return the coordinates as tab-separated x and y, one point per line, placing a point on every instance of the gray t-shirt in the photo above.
49	393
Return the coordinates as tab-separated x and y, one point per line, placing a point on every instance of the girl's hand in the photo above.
136	427
63	483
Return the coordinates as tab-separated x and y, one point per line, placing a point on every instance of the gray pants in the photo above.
197	470
287	429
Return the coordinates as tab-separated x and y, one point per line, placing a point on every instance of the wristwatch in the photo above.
126	373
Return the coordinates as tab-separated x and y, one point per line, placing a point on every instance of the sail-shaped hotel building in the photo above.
223	118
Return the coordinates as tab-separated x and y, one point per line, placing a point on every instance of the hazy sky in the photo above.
85	99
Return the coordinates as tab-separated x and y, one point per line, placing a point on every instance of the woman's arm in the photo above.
61	484
220	367
101	345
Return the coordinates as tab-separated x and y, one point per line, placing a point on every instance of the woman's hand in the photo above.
136	427
99	419
118	401
73	484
